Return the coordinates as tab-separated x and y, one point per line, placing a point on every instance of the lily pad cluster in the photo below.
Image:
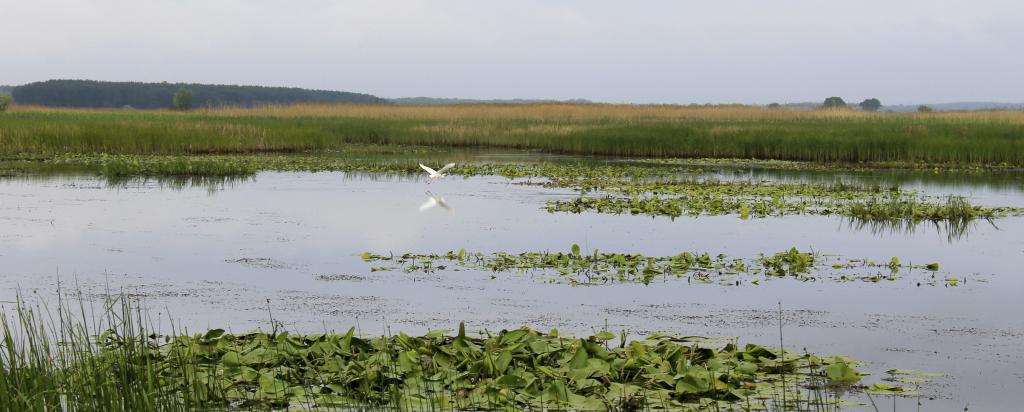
578	268
520	368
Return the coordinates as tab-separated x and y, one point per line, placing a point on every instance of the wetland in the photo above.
527	278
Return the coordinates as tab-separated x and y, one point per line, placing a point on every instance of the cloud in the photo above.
646	51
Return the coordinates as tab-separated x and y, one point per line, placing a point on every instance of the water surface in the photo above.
289	243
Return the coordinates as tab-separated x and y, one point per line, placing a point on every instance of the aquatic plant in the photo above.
119	364
593	268
913	210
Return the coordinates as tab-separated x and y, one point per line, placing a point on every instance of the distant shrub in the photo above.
834	103
924	109
774	106
871	105
183	99
5	101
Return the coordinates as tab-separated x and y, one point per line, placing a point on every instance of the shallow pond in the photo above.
290	243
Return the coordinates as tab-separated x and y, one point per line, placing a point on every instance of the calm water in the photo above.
291	242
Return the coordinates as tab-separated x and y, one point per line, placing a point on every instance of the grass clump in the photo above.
60	364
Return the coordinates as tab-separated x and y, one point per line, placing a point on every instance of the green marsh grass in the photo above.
993	138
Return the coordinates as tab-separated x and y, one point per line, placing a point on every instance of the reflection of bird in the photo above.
437	174
434	201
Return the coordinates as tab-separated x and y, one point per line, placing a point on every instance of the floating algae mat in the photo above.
508	369
578	268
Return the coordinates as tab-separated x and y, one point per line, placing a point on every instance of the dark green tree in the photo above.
183	99
5	101
924	109
871	105
774	106
834	103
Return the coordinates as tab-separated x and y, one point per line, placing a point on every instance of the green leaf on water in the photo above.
504	359
213	334
437	333
886	389
909	380
579	360
231	359
748	368
841	372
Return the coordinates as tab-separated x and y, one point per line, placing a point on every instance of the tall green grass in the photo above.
750	134
52	361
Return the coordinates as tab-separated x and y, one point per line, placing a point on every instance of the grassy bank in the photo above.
621	130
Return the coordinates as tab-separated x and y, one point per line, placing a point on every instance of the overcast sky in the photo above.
754	51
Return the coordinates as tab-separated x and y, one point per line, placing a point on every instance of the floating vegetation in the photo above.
650	181
954	209
595	268
117	364
824	167
517	368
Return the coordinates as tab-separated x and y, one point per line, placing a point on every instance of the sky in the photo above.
726	51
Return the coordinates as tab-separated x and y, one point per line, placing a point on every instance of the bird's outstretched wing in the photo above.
431	202
441	202
446	167
429	170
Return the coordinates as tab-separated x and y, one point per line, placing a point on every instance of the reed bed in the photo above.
742	132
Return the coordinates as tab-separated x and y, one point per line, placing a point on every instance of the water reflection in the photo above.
212	184
954	230
1008	182
433	201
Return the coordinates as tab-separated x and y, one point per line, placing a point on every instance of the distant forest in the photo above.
445	100
90	93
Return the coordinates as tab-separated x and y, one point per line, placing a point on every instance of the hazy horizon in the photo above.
657	52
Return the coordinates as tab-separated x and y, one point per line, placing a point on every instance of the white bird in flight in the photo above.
434	201
437	174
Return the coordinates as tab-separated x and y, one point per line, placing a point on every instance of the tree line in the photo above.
91	93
